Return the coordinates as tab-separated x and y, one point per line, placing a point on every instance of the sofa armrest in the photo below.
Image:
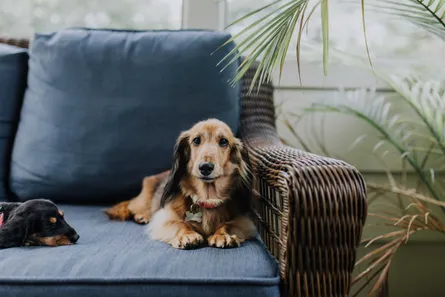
311	209
311	215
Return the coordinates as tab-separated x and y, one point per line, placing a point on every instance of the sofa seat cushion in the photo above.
118	259
103	109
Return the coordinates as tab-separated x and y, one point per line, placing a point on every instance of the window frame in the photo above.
203	14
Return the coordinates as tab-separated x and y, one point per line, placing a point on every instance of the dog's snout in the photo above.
74	237
206	168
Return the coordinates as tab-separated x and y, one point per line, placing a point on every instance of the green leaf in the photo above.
439	6
272	46
425	14
253	36
364	33
325	34
377	113
288	36
259	38
267	39
298	48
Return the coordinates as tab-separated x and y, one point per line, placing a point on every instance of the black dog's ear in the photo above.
243	191
181	157
15	231
7	207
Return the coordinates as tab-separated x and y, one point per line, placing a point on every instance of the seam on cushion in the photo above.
240	281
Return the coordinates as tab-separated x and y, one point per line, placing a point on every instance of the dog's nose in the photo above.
74	238
206	168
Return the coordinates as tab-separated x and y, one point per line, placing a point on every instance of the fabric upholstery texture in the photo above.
103	109
13	72
118	259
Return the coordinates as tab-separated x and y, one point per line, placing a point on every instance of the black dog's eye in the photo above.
223	142
197	141
52	220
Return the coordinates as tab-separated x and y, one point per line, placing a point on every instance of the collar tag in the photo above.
193	216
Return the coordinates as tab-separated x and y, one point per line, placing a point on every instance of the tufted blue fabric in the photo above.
13	72
103	108
117	259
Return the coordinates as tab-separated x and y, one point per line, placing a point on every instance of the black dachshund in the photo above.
35	222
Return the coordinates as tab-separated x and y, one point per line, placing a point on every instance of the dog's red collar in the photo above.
206	205
203	204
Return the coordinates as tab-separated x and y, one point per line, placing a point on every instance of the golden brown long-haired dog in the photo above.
205	196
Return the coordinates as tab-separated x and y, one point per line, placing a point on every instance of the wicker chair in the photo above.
311	209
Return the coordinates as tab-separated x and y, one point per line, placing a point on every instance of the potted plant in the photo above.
416	140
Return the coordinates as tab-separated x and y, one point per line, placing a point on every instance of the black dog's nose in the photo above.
206	168
74	238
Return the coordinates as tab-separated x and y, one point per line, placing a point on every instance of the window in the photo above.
387	37
21	18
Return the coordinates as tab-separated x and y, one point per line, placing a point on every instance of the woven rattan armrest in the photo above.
311	209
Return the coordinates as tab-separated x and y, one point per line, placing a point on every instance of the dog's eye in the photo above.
223	142
197	141
52	220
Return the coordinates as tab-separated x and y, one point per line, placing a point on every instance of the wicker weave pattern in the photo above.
311	209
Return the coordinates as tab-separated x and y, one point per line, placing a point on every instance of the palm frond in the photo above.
364	33
291	128
379	259
425	98
268	37
427	14
407	193
374	110
325	33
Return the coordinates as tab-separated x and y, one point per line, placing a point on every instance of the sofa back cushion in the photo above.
13	72
103	109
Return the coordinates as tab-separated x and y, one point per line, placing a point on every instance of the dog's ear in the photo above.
7	207
181	157
240	156
243	191
15	231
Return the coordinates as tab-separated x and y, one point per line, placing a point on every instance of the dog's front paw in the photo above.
188	241
141	219
224	241
118	212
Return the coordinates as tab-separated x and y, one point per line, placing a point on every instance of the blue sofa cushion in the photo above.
118	259
103	109
13	72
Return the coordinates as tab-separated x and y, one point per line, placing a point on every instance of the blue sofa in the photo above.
85	114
